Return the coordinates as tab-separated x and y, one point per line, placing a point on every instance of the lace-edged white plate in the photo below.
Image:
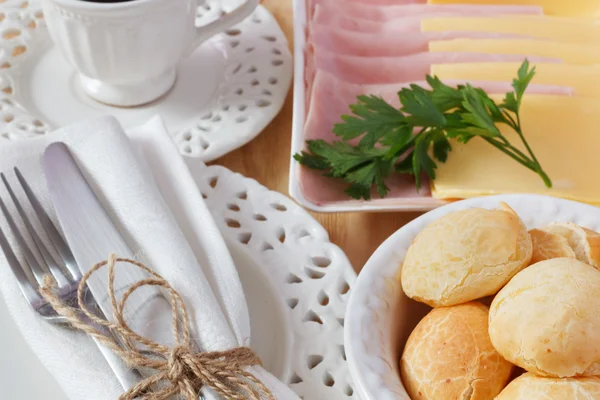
225	94
280	249
380	316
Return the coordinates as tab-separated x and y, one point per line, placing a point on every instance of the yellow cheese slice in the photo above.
571	30
585	80
551	7
563	134
570	53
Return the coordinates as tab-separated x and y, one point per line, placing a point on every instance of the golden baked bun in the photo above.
546	319
465	255
531	387
449	355
584	243
547	245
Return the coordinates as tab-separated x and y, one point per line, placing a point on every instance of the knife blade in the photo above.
90	234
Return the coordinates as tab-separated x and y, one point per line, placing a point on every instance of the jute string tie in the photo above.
179	370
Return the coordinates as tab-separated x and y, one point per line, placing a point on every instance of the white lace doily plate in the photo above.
380	316
225	94
295	280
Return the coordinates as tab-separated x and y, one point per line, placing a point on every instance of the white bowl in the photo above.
380	317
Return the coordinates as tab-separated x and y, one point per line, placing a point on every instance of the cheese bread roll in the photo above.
547	245
449	355
584	243
465	255
530	386
546	319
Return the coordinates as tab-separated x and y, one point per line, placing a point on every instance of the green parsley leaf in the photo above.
444	97
401	140
405	166
476	113
312	161
419	107
373	119
512	100
524	77
364	176
384	169
422	162
441	145
358	192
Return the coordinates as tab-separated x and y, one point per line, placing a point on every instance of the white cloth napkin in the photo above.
149	192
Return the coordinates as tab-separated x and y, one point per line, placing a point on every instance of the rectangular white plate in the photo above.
299	116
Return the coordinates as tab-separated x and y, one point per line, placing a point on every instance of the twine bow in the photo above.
178	370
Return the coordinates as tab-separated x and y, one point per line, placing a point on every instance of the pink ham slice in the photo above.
310	4
331	98
392	12
399	26
363	44
327	15
406	25
382	70
413	67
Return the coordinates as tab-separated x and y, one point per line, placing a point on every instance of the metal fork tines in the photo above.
38	258
54	260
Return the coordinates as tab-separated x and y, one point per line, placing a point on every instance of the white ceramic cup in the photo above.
126	53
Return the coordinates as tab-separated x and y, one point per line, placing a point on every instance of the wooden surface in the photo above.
267	158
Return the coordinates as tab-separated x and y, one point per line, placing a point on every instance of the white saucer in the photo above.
225	93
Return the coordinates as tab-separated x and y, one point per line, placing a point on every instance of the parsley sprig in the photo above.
412	139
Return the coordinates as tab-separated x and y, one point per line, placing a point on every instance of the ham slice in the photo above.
392	12
331	98
310	4
372	2
327	15
341	21
413	67
367	44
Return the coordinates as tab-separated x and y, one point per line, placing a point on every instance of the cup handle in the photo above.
234	17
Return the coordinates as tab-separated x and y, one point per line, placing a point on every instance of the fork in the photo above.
66	272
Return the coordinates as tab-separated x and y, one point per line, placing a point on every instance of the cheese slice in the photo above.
569	53
563	134
571	30
585	80
551	7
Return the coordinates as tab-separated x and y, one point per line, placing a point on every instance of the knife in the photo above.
90	235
